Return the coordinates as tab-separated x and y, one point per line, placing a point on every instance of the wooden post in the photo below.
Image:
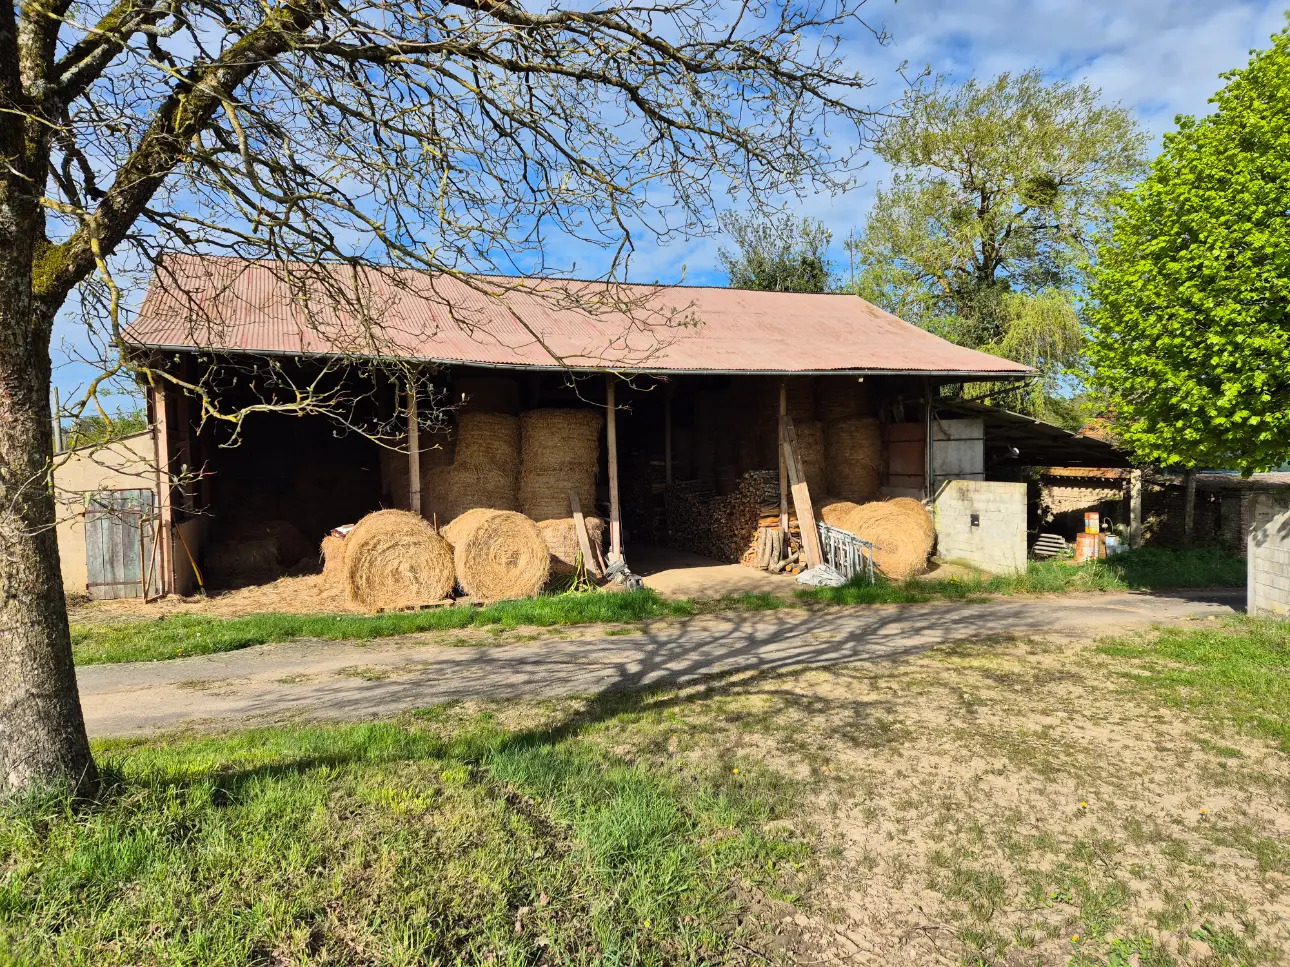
615	512
783	464
667	435
802	498
584	539
414	451
1135	508
1189	513
161	449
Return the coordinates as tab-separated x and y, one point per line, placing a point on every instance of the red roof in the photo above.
228	304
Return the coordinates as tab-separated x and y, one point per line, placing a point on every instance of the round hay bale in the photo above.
332	552
394	559
810	450
853	456
835	511
917	512
560	451
561	536
484	474
499	554
901	531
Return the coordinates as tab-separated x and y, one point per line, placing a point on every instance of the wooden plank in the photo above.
783	466
615	511
801	497
584	539
165	517
414	451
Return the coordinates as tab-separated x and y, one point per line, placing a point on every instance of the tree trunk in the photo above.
42	731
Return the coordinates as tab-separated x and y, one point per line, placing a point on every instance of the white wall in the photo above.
1268	549
996	541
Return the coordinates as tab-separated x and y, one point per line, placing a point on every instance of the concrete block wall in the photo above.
1268	553
983	523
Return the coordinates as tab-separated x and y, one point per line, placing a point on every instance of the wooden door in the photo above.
120	529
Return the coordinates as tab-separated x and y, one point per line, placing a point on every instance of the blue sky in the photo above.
1158	57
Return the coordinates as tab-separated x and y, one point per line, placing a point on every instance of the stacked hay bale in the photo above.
901	530
561	536
394	559
485	472
560	451
437	450
799	397
498	555
853	454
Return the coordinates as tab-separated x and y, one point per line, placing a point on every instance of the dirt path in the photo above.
327	679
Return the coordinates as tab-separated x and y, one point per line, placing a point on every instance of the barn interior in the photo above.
697	456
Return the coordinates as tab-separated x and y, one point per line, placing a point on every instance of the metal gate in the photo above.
120	539
845	553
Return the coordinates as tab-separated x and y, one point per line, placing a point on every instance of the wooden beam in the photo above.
615	512
667	435
802	497
783	466
1135	509
414	451
584	539
161	449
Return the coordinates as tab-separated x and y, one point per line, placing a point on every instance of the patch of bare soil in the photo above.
1011	803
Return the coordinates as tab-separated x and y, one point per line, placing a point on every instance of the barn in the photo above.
356	389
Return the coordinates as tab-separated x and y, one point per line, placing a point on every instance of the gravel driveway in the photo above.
346	680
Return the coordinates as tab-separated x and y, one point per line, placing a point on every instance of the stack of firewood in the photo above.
689	515
722	527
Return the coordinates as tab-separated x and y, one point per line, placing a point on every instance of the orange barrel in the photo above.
1088	547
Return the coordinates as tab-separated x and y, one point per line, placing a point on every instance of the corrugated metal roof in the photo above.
219	303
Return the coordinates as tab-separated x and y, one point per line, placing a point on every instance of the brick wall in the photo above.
996	540
1269	554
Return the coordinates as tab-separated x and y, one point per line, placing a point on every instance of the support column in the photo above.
783	464
611	437
161	450
1135	508
414	451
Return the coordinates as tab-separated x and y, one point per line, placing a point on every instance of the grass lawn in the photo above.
185	635
1008	802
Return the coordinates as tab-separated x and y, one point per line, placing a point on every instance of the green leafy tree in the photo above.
1191	295
95	428
783	254
997	188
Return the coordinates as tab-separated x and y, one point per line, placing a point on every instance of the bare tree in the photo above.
459	137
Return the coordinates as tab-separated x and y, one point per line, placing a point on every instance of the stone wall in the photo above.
1269	554
982	523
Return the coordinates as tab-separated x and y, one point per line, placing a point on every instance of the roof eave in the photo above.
961	374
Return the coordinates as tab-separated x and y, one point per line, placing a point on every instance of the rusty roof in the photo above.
268	307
